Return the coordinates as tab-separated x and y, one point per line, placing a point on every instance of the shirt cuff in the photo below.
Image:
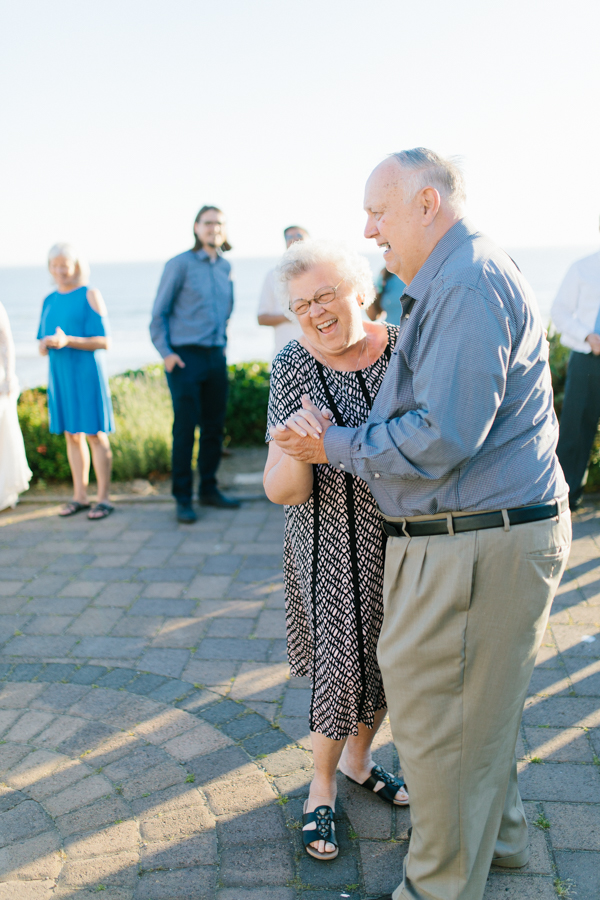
578	330
338	447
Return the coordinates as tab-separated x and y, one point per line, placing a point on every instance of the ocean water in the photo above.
129	290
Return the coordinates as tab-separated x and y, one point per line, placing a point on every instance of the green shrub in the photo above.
46	453
141	444
246	422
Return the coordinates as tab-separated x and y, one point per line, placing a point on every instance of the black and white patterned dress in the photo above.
333	552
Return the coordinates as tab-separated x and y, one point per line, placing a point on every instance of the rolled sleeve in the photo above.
564	309
169	287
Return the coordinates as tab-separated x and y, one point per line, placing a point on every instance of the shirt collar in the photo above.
202	254
458	234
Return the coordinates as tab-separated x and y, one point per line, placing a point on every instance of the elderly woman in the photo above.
334	547
73	330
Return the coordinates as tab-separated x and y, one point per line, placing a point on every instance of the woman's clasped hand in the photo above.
306	421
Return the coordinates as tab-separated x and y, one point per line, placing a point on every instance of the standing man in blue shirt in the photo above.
189	330
460	453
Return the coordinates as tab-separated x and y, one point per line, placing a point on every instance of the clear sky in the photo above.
121	118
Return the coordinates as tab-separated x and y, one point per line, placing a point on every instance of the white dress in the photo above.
14	471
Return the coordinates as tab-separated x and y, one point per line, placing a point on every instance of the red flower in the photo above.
42	449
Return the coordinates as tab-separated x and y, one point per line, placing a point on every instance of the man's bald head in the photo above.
412	199
410	171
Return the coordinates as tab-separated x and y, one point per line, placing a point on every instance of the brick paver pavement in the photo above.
153	747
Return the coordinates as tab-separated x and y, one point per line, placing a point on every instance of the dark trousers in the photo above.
579	420
199	394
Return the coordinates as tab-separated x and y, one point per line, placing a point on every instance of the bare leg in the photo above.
323	789
102	460
354	755
79	461
357	761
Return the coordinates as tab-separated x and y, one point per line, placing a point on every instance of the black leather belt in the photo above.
477	521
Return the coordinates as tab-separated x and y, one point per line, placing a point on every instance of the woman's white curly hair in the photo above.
303	256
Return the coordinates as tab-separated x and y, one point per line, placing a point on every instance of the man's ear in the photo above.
430	205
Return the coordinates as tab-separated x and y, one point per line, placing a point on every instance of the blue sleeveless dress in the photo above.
78	392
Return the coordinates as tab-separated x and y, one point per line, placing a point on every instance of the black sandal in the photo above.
319	826
104	508
71	508
384	785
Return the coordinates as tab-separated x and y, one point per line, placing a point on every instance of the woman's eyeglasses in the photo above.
322	298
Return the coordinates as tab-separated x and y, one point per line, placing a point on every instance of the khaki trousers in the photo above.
464	618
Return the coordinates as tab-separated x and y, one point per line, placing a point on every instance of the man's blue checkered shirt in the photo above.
464	419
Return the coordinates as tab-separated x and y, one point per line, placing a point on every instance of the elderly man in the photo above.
459	452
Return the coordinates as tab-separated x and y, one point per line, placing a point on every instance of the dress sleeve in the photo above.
95	325
285	395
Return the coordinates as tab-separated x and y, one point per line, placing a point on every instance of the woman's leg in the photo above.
102	460
79	461
323	789
356	761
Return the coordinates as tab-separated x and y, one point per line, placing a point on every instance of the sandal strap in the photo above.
391	784
325	826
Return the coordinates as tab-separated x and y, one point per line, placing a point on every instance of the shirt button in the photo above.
407	315
377	475
342	466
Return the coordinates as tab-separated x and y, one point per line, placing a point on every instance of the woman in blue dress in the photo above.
73	332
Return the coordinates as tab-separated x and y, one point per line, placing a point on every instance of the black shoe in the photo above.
216	498
185	513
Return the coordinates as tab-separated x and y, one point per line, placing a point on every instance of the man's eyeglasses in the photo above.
322	298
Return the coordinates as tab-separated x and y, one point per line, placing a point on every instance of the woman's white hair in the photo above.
303	256
429	169
68	250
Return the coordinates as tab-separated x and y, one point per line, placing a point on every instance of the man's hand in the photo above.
594	341
172	360
302	435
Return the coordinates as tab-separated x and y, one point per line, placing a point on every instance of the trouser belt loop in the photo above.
450	523
404	531
505	519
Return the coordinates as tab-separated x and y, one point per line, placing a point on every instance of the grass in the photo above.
141	443
542	822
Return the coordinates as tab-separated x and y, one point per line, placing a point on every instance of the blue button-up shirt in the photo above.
464	419
193	303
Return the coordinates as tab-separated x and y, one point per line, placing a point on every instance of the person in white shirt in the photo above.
576	315
270	311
